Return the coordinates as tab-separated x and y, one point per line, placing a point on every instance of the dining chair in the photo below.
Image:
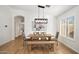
25	38
56	37
42	33
43	38
34	33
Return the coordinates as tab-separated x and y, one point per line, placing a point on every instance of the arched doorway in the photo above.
18	25
18	32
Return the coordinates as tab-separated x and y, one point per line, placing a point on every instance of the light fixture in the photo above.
41	19
40	23
48	6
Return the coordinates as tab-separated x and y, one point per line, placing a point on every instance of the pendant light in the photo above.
41	20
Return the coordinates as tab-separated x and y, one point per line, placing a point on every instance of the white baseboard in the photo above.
5	42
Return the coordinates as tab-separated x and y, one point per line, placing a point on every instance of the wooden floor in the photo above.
16	47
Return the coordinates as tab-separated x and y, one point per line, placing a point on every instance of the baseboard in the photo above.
5	43
69	47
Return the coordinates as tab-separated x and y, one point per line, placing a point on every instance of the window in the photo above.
63	27
67	27
71	27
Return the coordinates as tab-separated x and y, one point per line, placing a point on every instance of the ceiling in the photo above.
55	10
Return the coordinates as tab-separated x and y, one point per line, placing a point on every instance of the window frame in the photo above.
65	29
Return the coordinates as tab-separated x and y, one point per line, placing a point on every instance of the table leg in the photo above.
55	47
30	47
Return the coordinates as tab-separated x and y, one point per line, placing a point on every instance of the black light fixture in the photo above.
48	6
40	6
44	6
41	20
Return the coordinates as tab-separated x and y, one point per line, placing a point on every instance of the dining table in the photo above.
43	41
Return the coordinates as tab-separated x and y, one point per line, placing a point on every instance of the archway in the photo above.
18	25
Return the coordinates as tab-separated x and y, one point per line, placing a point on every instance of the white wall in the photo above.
27	21
7	15
18	25
72	43
29	17
51	26
17	12
5	19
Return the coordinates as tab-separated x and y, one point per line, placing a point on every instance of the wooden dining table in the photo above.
35	41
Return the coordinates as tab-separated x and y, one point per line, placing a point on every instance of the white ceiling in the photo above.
55	10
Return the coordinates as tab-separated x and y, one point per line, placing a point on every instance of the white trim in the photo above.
65	31
67	37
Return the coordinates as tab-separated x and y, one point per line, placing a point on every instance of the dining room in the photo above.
39	29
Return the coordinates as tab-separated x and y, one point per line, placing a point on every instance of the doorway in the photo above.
18	25
19	31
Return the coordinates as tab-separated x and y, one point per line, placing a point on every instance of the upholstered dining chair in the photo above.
56	37
43	33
